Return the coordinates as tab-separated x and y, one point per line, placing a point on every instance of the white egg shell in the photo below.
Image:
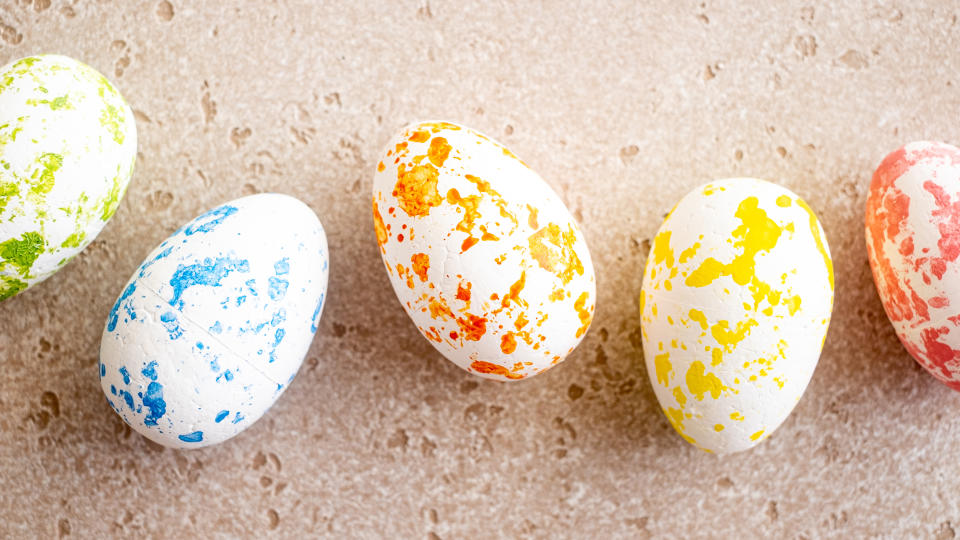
483	255
913	241
213	326
736	300
68	142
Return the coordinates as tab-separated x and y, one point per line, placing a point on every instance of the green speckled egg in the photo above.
68	143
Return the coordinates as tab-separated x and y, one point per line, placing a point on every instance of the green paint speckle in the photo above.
49	164
10	286
55	104
7	192
23	252
111	118
74	240
112	200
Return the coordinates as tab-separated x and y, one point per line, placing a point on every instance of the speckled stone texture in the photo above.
622	108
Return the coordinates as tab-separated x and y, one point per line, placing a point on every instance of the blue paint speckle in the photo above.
278	288
282	266
127	398
113	389
114	318
221	415
214	366
316	315
200	345
154	401
278	317
210	273
196	436
126	374
150	371
250	283
161	255
103	370
241	300
277	338
237	418
209	221
216	328
228	375
169	321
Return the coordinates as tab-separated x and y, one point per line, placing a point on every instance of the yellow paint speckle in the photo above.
730	338
700	383
793	304
783	201
821	246
718	427
756	435
661	249
661	363
698	316
688	253
736	416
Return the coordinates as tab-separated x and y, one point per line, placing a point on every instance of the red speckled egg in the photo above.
913	240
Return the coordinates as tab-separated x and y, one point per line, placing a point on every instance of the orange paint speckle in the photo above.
439	151
439	309
532	220
484	187
378	225
463	293
468	243
500	259
421	263
514	294
473	327
420	136
381	167
585	315
508	343
433	335
439	126
553	251
520	322
400	238
487	236
556	295
453	335
469	204
486	367
416	189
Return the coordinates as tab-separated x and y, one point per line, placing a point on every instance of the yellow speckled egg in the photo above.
736	300
483	255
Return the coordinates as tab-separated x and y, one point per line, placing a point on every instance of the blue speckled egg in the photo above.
214	324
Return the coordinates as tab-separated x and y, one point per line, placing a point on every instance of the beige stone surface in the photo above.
623	107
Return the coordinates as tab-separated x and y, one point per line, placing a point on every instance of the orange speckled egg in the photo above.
736	300
483	255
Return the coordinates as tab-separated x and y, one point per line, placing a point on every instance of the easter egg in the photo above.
214	324
482	254
913	241
736	300
67	148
